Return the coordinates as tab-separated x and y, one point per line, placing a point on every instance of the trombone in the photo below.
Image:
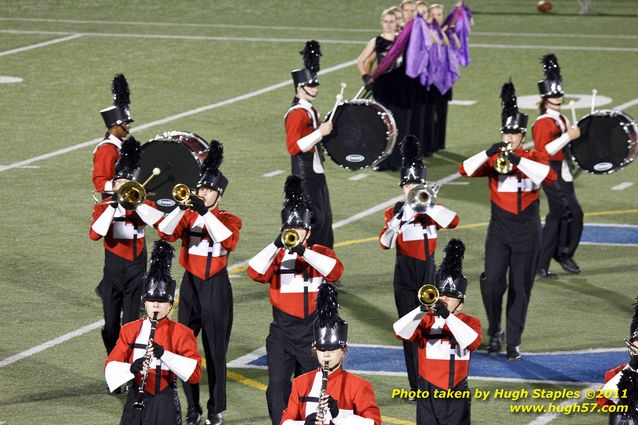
428	295
130	195
422	196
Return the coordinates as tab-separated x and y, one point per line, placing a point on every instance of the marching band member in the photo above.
446	337
621	383
124	247
208	235
294	272
552	132
389	89
154	351
303	132
117	119
414	236
513	235
329	394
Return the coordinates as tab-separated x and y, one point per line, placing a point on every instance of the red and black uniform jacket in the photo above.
105	155
125	237
515	191
301	120
414	231
612	378
200	255
354	396
547	128
172	336
442	361
294	283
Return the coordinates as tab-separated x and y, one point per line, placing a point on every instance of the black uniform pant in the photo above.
121	291
409	275
511	253
289	350
564	222
437	122
442	411
162	408
207	306
316	189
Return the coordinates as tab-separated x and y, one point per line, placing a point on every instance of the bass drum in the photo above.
178	155
364	133
607	143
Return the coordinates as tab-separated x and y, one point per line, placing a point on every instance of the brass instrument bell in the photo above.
290	238
502	163
428	295
422	196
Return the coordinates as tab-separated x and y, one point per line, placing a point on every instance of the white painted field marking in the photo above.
626	105
463	102
273	173
358	177
323	41
170	118
548	417
38	45
51	343
459	183
622	186
9	80
286	28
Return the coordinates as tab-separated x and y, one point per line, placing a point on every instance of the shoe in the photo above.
495	344
569	265
215	419
194	415
546	274
411	400
513	353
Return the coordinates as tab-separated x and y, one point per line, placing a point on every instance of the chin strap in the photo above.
305	91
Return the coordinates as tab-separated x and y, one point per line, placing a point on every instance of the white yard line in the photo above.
38	45
290	28
462	102
358	177
323	41
170	118
626	105
273	173
51	343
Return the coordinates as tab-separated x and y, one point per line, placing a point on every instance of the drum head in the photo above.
178	158
363	134
607	142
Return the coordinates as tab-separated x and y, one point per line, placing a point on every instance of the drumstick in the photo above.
593	100
338	101
156	172
571	105
359	92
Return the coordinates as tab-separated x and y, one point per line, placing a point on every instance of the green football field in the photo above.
221	69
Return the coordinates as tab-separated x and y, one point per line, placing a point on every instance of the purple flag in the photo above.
395	51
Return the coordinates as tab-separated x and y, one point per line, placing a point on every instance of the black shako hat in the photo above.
512	121
119	113
159	285
209	173
412	168
128	164
307	76
449	278
552	84
330	331
296	208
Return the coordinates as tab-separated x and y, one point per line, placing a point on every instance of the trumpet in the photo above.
422	196
428	295
502	163
290	238
182	195
130	195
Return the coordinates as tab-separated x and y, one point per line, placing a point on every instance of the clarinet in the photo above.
324	385
139	397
